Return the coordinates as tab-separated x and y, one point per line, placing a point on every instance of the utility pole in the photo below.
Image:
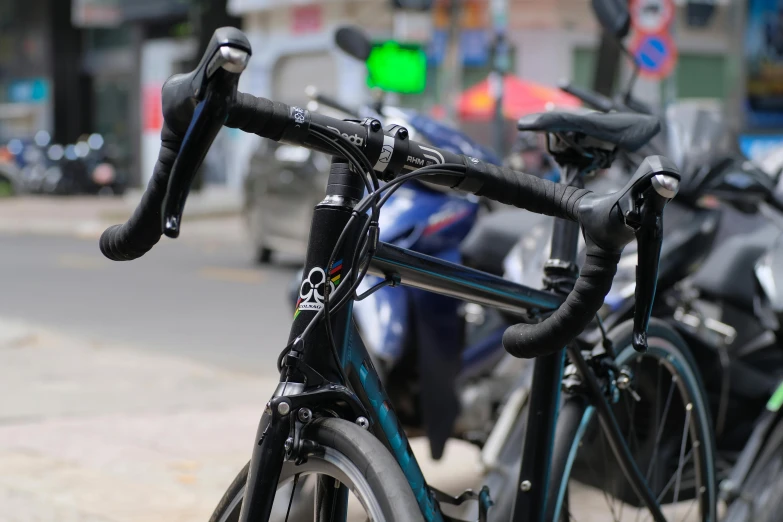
500	67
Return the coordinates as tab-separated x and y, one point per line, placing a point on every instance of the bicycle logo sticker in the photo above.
311	292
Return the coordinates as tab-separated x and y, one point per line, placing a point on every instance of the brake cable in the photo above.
367	201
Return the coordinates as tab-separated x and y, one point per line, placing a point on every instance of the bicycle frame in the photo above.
313	377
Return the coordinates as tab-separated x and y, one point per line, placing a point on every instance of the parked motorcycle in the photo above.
86	167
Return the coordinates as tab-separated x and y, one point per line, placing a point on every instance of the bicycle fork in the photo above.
265	466
313	363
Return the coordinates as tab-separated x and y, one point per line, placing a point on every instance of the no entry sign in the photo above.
656	54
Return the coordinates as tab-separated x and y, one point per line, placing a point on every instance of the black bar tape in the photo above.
259	116
522	190
556	331
143	230
476	174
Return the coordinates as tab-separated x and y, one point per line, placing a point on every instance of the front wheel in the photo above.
666	425
346	459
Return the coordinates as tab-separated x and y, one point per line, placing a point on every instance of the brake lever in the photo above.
647	221
190	157
212	88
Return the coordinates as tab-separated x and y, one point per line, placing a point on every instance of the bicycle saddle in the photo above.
625	130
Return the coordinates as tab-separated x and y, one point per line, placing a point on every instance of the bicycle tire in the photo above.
666	345
761	498
366	465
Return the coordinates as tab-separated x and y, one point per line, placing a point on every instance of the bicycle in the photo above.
330	416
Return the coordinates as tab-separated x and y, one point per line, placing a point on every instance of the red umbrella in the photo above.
520	98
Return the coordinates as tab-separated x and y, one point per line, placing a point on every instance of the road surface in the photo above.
200	298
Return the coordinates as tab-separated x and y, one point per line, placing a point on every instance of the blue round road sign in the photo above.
656	54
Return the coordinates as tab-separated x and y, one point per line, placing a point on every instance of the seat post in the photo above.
561	270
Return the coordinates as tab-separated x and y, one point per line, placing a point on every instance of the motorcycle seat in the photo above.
727	273
626	130
492	238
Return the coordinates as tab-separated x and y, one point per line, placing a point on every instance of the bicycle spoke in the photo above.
629	410
669	484
685	518
688	409
291	500
605	460
593	471
671	480
622	505
659	433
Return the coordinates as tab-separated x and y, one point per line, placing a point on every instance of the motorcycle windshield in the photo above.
694	128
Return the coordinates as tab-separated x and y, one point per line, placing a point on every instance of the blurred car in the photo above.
283	185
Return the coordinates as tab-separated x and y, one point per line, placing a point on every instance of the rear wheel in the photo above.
348	459
666	426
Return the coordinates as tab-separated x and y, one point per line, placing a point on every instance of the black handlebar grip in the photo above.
258	116
141	232
556	331
521	190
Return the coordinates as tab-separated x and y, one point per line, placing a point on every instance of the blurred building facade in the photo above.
78	66
551	41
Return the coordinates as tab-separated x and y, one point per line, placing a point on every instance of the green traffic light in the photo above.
397	68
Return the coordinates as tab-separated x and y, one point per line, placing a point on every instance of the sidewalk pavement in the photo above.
93	432
207	212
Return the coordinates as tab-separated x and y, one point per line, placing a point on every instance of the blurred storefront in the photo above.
759	94
549	42
131	48
26	71
77	66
